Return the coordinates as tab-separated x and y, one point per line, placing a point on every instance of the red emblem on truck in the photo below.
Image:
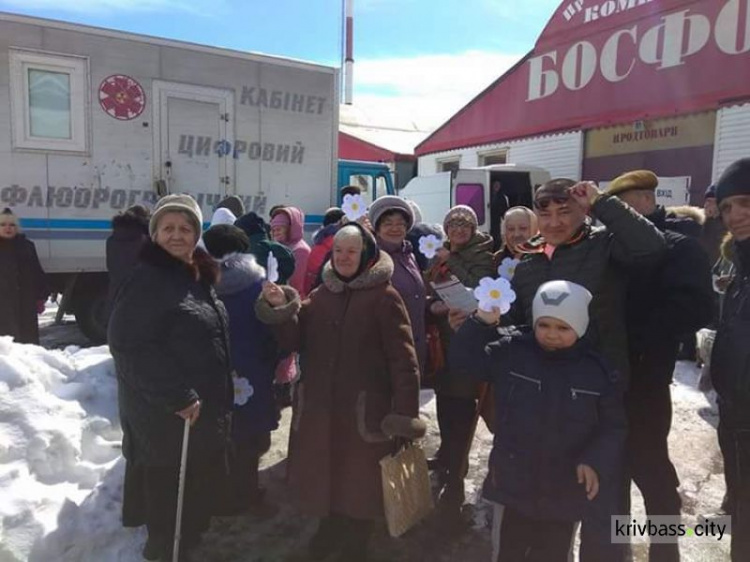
122	97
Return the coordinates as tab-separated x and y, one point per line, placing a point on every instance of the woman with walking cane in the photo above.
168	336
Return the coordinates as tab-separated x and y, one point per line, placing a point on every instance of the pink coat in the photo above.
286	371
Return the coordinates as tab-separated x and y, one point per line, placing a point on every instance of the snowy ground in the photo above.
61	476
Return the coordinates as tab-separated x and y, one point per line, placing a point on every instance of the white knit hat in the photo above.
564	301
177	203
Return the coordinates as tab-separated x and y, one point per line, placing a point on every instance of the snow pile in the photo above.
59	440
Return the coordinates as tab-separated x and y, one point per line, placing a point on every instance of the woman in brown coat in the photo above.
359	389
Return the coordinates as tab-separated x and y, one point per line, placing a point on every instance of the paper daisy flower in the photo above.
494	292
507	268
429	245
273	268
243	390
354	207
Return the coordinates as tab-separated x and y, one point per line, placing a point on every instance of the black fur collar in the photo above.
204	268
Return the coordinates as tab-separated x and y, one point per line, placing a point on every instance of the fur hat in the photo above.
388	203
224	239
461	212
637	179
179	203
564	301
734	181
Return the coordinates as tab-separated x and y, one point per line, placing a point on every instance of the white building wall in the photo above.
561	155
732	137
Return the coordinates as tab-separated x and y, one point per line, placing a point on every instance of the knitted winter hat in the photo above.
734	181
388	203
177	203
224	239
222	215
710	192
565	301
461	213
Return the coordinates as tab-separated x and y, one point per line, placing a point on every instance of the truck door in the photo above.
508	189
194	139
470	188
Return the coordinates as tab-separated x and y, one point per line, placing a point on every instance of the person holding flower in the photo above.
358	392
563	431
467	255
254	355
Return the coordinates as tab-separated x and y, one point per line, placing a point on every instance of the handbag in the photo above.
407	497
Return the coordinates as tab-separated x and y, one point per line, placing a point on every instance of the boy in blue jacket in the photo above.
560	426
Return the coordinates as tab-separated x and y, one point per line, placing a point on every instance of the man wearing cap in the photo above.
570	248
730	361
666	302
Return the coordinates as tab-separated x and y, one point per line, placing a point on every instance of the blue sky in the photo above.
424	57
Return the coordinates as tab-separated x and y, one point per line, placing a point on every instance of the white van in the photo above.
489	190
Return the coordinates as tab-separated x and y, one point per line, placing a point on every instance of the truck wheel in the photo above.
92	315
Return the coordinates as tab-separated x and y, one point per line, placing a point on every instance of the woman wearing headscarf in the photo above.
518	226
23	286
467	255
168	337
359	389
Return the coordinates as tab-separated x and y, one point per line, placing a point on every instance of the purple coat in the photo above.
407	280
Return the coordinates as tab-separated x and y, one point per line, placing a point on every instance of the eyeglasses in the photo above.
543	204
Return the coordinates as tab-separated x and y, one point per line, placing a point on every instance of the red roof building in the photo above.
611	86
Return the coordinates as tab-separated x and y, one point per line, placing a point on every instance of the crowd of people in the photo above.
574	380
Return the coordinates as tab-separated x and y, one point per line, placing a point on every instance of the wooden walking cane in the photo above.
181	492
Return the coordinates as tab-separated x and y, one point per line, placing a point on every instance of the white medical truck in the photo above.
93	121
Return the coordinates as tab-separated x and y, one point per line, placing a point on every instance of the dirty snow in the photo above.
61	474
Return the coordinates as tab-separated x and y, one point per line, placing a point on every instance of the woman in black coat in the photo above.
168	336
23	287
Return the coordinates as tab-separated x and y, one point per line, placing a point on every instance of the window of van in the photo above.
48	101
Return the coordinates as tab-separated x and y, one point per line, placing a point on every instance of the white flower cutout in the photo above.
273	268
494	293
354	207
429	245
243	390
507	268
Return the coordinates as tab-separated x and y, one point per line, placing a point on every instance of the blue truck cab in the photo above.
374	178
